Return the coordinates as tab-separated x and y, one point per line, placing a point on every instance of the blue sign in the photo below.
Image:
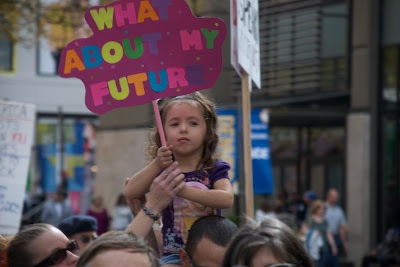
228	140
260	153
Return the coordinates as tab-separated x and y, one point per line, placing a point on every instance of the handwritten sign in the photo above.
249	39
16	134
142	50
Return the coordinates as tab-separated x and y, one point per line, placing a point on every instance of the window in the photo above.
6	53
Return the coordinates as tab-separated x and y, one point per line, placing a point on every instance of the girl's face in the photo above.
185	129
49	244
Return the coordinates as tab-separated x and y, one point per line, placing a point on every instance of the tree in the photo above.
25	20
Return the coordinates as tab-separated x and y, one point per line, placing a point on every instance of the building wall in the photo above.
119	154
48	93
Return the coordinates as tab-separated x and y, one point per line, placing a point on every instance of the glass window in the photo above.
326	142
318	179
390	76
283	142
61	24
390	182
334	47
391	20
389	178
6	53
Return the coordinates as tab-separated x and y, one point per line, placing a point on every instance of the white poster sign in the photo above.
248	36
16	137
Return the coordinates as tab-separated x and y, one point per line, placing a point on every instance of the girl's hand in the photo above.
164	157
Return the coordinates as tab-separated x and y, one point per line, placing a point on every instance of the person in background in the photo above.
207	241
41	244
55	209
387	253
118	249
265	210
268	243
298	207
81	228
122	215
318	234
285	217
337	224
309	197
98	212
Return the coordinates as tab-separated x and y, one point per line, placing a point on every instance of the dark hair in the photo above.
117	240
265	205
208	158
19	252
121	200
270	233
217	229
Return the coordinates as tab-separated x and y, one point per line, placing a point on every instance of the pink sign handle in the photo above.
159	123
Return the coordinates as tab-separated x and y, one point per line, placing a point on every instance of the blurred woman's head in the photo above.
41	245
318	208
266	243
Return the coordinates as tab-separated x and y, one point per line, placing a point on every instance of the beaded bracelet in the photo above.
154	217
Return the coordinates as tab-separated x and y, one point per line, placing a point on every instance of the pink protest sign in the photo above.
142	50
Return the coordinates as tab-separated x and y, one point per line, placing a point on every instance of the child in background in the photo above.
122	215
99	212
190	125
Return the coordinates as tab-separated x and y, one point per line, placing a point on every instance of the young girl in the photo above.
190	125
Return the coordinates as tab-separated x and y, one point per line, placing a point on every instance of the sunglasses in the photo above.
59	255
87	238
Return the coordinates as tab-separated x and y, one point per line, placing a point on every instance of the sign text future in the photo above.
144	50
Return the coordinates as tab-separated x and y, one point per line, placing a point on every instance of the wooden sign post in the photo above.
246	47
248	167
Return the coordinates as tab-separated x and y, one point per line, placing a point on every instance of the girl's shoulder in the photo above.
220	170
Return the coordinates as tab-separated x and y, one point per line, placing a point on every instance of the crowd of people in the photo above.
320	224
185	186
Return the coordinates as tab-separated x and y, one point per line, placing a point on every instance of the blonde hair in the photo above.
208	109
316	205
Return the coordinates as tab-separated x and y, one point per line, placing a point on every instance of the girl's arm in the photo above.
331	242
221	197
139	183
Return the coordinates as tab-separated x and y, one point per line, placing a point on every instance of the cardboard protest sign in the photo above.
248	37
16	138
143	50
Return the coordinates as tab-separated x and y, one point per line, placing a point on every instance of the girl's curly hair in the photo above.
209	156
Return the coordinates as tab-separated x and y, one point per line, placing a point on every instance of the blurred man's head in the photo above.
207	241
309	197
81	228
332	196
